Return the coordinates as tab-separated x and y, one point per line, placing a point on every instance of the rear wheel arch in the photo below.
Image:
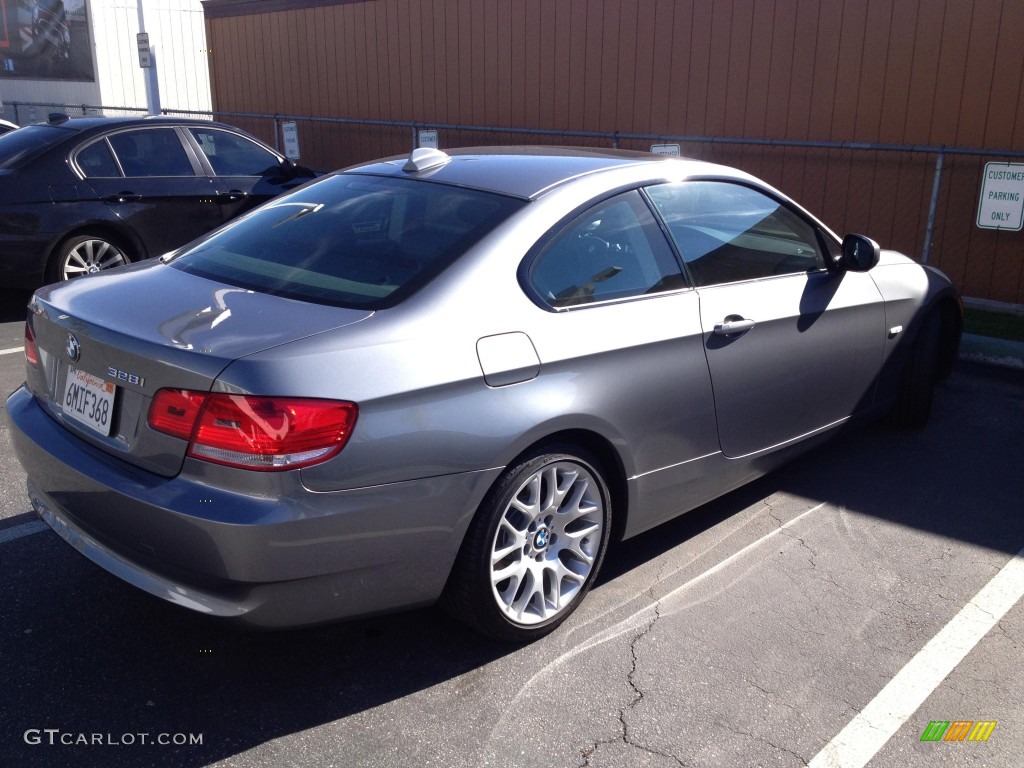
606	456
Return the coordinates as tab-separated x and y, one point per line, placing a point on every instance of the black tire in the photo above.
85	254
917	387
548	518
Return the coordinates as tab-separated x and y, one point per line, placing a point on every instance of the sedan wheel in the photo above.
85	255
534	549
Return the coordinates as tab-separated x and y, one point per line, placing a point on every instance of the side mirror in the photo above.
860	253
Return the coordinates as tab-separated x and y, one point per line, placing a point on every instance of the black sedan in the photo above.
81	195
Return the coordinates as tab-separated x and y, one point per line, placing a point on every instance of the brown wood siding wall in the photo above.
935	72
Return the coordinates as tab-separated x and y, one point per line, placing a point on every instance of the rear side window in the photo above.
614	250
96	161
728	232
151	152
350	240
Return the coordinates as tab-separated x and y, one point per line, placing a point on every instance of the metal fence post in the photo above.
415	137
277	133
933	207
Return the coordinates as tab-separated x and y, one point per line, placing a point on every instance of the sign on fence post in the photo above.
145	54
427	139
1002	197
290	132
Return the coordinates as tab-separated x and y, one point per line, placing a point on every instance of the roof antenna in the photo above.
425	158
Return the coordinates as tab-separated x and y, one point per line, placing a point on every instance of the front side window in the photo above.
151	152
350	240
232	155
727	232
612	251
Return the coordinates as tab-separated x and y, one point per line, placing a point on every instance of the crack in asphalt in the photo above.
1006	633
765	740
625	736
983	610
774	697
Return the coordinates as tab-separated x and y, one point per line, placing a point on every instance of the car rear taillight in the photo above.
31	352
174	411
261	433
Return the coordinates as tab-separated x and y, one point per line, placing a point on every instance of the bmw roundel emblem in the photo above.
541	540
73	348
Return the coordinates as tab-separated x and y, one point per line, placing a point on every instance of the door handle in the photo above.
124	197
233	196
733	324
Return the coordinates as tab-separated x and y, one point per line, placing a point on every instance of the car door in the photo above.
245	173
152	183
625	335
791	346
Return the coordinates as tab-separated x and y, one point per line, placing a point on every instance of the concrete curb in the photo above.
984	349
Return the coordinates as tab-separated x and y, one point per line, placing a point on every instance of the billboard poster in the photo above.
45	40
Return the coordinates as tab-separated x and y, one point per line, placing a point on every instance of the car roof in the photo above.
83	124
525	172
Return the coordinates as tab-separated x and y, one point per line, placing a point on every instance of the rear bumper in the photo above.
301	558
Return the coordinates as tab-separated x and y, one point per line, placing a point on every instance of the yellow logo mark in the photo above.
982	730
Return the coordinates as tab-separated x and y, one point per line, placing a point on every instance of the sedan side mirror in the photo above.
860	253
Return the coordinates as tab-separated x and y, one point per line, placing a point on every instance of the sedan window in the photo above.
232	155
727	232
96	161
151	152
612	251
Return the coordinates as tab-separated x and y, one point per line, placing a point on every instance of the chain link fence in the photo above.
921	200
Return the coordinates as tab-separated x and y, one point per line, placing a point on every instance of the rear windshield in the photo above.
350	240
25	143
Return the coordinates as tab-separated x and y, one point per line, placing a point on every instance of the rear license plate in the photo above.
89	400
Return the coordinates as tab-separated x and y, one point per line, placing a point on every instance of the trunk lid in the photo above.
119	337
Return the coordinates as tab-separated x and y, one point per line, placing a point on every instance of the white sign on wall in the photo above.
290	132
427	139
672	150
1002	197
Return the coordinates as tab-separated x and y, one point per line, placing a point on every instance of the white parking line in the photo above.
25	529
11	351
868	732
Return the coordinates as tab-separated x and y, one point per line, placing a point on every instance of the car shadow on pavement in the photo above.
85	654
13	305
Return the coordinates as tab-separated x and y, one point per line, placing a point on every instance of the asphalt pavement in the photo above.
827	614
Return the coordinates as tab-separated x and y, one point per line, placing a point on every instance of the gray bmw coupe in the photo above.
456	378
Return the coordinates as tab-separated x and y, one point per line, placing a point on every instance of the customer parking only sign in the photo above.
1002	197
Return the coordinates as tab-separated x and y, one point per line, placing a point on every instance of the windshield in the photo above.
347	240
27	142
